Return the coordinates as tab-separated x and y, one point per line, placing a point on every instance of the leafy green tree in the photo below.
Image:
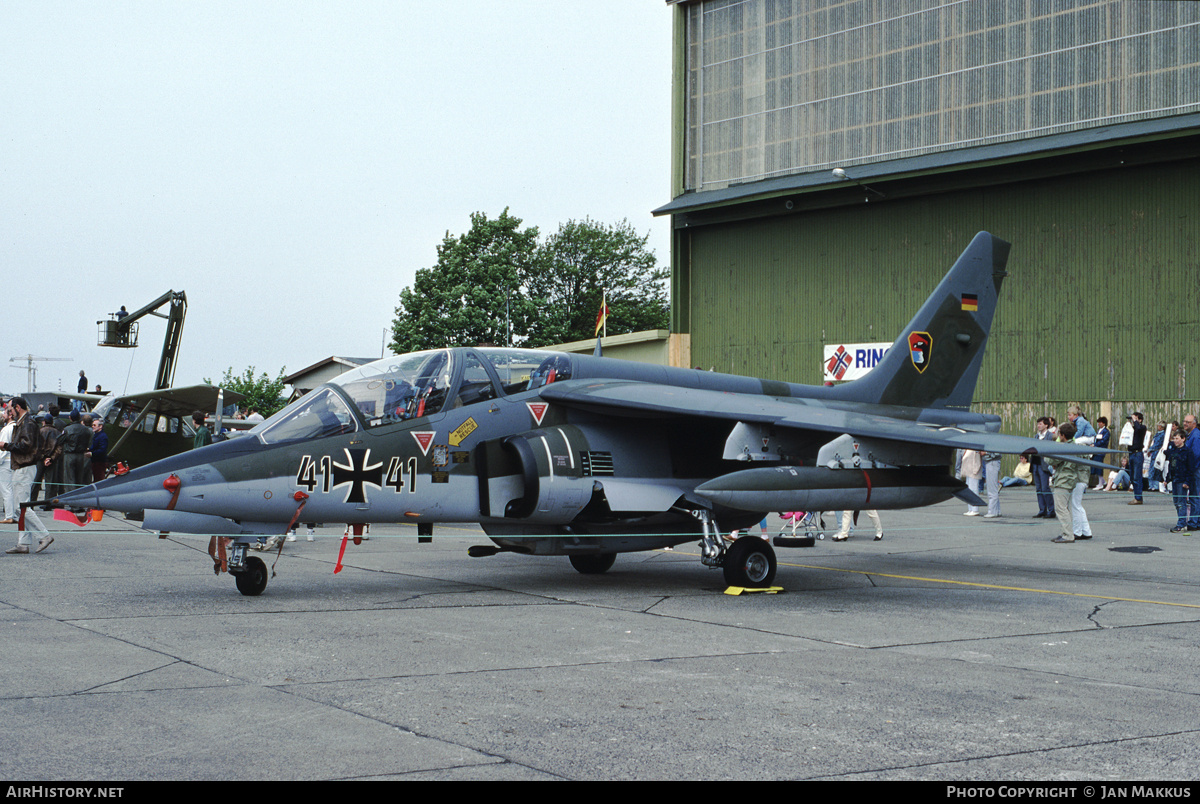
468	297
551	292
262	393
578	265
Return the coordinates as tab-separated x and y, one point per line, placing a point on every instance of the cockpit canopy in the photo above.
412	386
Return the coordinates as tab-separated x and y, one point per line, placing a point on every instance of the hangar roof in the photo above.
1073	143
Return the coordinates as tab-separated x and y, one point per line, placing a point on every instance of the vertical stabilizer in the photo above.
935	360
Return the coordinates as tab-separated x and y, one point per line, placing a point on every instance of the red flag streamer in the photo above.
341	553
63	515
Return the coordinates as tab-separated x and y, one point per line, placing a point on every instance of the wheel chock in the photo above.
745	590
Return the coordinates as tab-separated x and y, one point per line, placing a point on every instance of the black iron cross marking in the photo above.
358	474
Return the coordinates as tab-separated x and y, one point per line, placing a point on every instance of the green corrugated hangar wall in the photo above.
1101	306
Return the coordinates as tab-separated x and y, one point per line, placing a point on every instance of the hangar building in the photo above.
1069	127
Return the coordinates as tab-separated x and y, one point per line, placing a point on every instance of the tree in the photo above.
263	394
468	297
551	292
578	265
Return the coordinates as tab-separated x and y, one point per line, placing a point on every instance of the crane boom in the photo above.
121	332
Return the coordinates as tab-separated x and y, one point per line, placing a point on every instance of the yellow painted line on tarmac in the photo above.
984	585
997	586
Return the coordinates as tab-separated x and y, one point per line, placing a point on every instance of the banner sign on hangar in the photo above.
849	361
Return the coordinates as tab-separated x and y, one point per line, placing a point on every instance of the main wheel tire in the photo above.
593	563
750	562
252	580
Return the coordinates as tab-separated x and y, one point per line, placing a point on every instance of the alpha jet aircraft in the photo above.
563	454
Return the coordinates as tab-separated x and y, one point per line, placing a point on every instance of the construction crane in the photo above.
120	331
31	369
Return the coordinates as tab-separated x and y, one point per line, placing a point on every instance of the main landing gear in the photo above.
593	563
748	562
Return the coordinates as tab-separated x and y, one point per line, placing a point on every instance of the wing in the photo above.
862	420
180	401
91	399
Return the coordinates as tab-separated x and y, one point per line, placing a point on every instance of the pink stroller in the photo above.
802	525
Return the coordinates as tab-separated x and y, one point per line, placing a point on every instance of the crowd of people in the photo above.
1167	461
45	453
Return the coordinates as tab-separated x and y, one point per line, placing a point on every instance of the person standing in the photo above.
1084	432
1103	436
1193	445
971	470
75	441
1158	443
203	436
56	472
6	472
23	452
45	480
99	449
1137	457
1041	474
82	382
847	521
1181	470
991	474
1066	477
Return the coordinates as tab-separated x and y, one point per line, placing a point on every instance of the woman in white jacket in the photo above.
971	470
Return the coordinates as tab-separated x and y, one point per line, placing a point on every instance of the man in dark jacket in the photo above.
23	453
75	441
1192	443
49	461
22	449
1136	457
99	449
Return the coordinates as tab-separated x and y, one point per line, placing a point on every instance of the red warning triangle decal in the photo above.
537	410
424	439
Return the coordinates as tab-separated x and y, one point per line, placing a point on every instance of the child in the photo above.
1180	461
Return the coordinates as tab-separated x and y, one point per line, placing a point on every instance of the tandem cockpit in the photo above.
413	386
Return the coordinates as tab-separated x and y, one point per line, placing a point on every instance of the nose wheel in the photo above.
252	579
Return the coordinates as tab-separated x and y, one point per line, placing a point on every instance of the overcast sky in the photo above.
290	165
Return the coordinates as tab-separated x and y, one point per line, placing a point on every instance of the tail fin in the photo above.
935	361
